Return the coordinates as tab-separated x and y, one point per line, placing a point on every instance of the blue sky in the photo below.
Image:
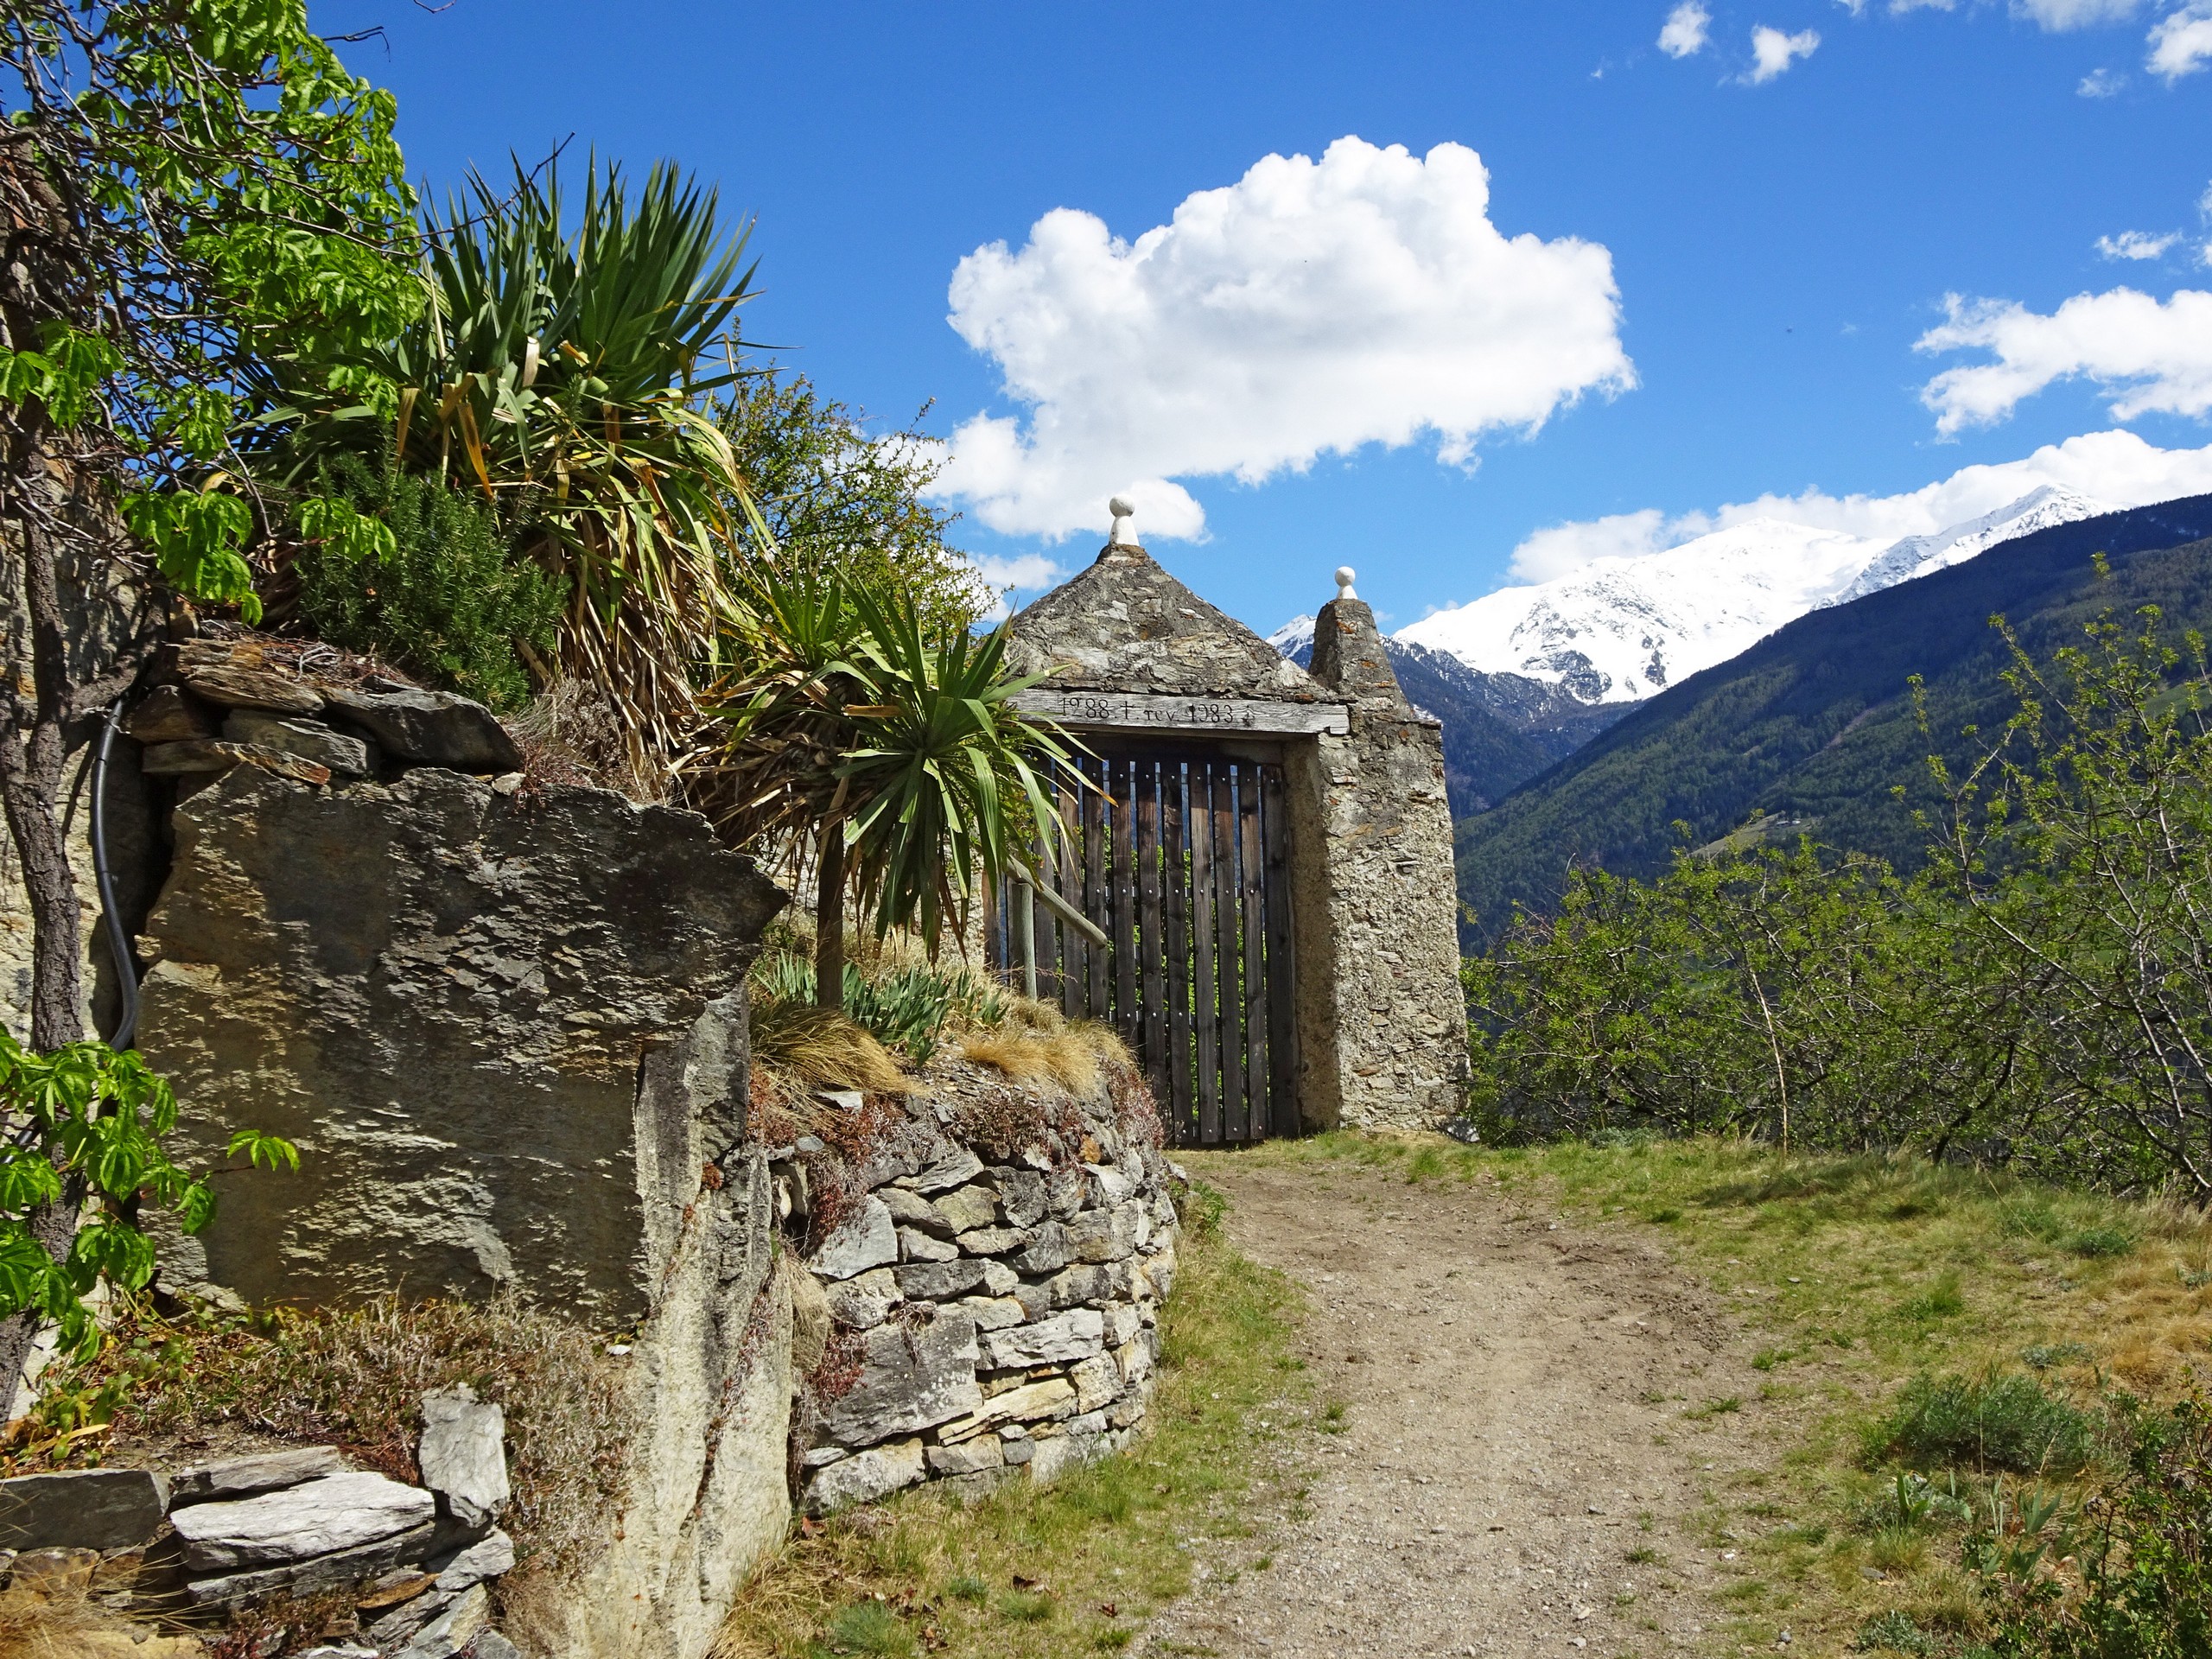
1775	248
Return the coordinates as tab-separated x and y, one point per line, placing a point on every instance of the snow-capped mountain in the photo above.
1295	639
1621	629
1915	556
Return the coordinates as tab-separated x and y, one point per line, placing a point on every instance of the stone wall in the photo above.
992	1282
1389	999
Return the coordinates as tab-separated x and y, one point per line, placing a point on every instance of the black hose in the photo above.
118	942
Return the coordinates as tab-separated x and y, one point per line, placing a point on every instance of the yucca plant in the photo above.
897	759
563	375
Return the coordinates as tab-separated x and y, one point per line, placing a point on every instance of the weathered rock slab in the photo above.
1075	1335
335	1512
431	729
911	1378
869	1239
866	1476
310	740
359	1564
243	1477
82	1508
463	1455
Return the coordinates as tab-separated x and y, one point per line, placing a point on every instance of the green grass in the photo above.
1027	1572
1942	1320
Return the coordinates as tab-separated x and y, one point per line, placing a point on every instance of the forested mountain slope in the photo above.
1814	723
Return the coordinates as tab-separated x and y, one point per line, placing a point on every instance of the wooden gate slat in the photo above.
1125	906
1152	958
1228	966
1177	1109
1252	922
1282	1017
1067	857
1096	903
1207	1009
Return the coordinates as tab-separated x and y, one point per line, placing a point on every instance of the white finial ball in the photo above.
1123	512
1344	574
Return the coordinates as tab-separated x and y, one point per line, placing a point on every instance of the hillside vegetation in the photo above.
1814	724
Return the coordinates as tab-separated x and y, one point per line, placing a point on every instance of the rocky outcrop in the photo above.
507	1028
991	1316
444	996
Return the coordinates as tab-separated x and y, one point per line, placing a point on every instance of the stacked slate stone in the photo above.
1004	1315
230	701
294	1523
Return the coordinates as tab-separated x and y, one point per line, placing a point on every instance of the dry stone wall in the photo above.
992	1283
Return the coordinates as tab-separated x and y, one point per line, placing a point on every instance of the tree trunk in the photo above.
31	764
829	917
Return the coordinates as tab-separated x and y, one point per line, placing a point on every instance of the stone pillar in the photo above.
1389	965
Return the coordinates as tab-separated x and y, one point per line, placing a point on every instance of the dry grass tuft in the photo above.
1035	1044
64	1625
822	1047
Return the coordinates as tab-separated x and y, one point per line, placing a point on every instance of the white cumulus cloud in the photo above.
2115	466
2181	42
1772	51
1310	309
1686	30
2101	83
2152	356
2137	244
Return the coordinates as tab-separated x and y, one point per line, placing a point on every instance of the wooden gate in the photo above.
1182	859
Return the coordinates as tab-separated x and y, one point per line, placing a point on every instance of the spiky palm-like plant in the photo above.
563	374
896	756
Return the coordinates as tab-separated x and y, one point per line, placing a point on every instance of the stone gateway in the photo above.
1266	850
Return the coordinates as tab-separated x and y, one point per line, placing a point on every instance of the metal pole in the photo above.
1024	919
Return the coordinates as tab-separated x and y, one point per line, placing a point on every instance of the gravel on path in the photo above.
1526	1407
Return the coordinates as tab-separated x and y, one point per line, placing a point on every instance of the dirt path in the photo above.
1509	1378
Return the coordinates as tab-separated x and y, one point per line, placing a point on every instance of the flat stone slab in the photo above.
336	1512
866	1476
910	1379
308	739
1076	1334
82	1508
244	1477
869	1239
432	728
359	1565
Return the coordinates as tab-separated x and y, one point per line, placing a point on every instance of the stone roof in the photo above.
1126	625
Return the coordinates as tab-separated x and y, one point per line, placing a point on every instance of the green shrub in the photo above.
2097	1242
445	602
1893	1632
905	1008
1994	1421
870	1627
2145	1585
